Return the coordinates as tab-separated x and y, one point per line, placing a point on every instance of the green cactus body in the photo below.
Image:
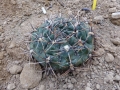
61	43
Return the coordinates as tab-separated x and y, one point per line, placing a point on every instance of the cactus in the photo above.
61	44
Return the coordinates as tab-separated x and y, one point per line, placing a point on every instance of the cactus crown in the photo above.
61	44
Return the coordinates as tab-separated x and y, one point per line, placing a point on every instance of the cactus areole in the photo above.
62	44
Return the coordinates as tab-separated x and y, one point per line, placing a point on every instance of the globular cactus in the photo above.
62	44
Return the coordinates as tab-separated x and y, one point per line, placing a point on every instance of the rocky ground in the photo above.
102	72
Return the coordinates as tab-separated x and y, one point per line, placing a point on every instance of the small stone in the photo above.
88	88
97	86
11	86
96	62
112	10
117	78
53	79
70	86
100	52
1	40
113	0
88	84
51	85
111	5
15	69
116	41
109	58
98	19
65	86
118	7
1	29
109	77
73	80
30	76
13	2
2	55
12	45
42	87
115	15
110	48
115	21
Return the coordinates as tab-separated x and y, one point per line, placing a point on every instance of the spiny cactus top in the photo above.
61	44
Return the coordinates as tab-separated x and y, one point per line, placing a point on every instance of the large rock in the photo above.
30	75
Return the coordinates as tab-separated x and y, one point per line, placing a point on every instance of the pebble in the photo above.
98	19
65	86
2	55
113	0
115	15
51	84
116	41
109	77
15	69
1	29
112	10
117	78
97	86
115	21
111	5
88	84
109	58
88	88
96	62
70	86
1	40
12	45
109	48
11	86
42	87
73	80
30	77
13	2
100	52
